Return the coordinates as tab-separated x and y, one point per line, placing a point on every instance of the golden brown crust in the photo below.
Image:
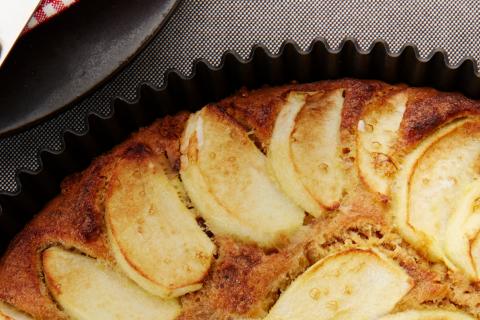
75	220
258	109
427	109
69	220
245	280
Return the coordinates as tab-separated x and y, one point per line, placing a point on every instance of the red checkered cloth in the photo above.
46	10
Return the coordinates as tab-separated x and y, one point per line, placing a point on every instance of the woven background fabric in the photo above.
207	28
47	9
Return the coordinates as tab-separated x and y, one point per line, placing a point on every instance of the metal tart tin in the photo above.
209	84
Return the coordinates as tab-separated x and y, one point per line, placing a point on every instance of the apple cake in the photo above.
344	199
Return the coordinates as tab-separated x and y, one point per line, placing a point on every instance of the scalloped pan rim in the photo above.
208	83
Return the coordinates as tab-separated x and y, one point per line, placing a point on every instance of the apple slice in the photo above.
280	155
401	192
154	237
227	179
354	284
89	290
304	150
428	315
438	181
8	313
462	235
376	138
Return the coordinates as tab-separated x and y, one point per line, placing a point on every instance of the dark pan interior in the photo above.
209	84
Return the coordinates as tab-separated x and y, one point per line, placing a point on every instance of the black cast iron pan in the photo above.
56	63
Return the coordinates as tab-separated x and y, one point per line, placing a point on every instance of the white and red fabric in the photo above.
46	10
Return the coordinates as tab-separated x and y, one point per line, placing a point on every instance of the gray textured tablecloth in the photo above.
206	28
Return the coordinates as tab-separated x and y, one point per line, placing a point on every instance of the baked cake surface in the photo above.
345	199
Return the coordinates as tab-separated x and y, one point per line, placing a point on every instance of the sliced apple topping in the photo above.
428	315
9	313
354	284
430	184
154	237
304	150
89	290
462	235
227	178
376	137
